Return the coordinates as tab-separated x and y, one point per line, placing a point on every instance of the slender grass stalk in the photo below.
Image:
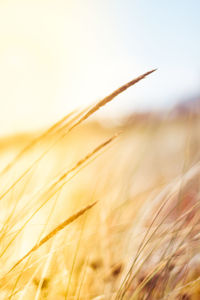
53	233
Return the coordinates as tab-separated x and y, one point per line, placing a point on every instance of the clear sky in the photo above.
56	55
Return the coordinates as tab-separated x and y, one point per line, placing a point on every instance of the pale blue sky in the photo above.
162	34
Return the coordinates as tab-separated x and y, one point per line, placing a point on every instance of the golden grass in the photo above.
140	240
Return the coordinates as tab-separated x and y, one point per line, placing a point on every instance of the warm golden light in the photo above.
91	208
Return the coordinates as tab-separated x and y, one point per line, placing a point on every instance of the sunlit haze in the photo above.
59	55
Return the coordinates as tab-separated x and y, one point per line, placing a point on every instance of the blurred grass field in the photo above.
139	241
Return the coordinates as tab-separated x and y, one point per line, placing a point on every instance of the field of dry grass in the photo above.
89	211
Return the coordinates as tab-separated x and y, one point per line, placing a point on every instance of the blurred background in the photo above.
59	55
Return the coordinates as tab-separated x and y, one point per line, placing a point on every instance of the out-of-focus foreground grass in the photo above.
139	241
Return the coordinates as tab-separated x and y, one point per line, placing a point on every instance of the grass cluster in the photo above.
91	212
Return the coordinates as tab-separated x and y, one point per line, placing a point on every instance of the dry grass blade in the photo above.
110	97
54	232
88	156
156	269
